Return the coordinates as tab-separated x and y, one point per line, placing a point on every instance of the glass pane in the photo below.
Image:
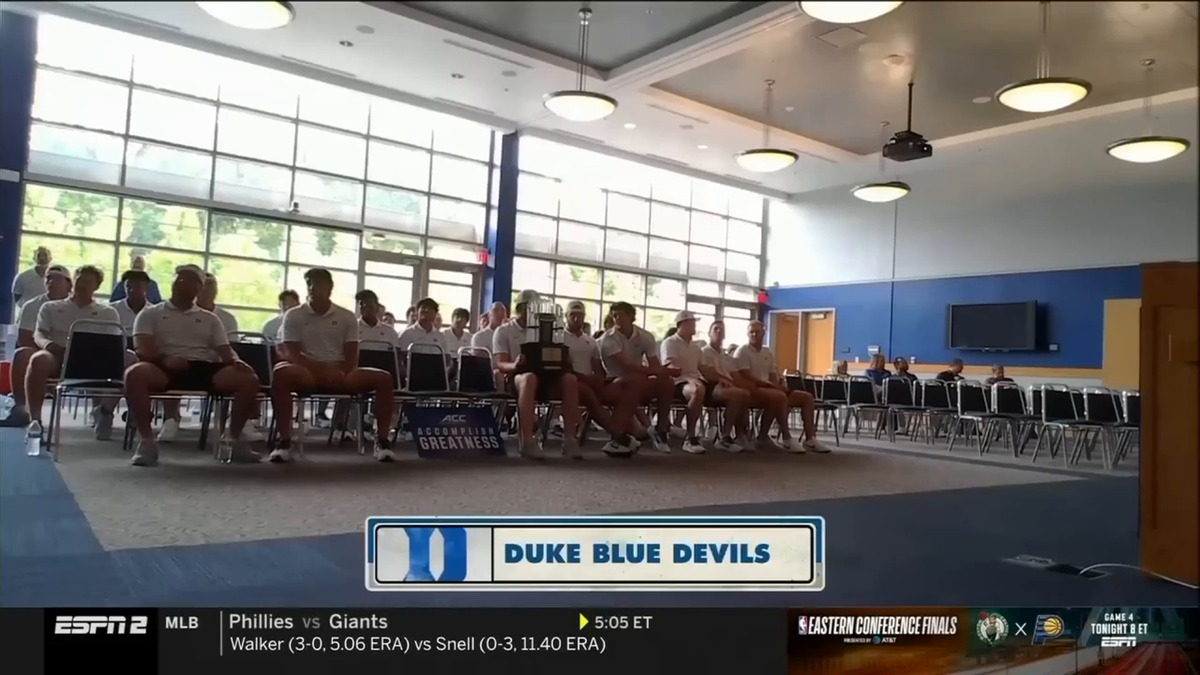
746	206
240	181
73	253
741	269
445	250
331	152
710	197
706	289
380	268
392	292
400	122
669	221
667	293
83	47
257	136
535	234
628	177
708	229
583	203
247	283
334	106
706	263
462	138
671	187
168	170
459	178
259	88
160	264
57	97
460	221
451	277
165	66
736	331
392	243
72	153
621	286
398	165
702	308
248	237
530	273
153	224
745	237
326	197
580	241
658	322
577	281
494	197
169	118
537	195
71	213
345	284
736	312
740	293
319	247
624	248
628	213
397	210
251	320
667	256
450	297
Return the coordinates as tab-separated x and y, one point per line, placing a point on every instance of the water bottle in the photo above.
33	440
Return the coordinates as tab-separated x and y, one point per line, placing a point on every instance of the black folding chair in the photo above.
936	412
1130	430
1059	415
860	398
255	350
426	380
1009	402
975	416
1102	406
93	365
900	402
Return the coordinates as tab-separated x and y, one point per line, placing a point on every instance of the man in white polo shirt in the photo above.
720	370
183	347
320	351
593	389
54	322
759	370
287	300
57	286
136	284
29	284
630	354
373	333
699	384
457	335
424	332
208	300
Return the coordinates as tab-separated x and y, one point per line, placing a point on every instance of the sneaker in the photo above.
791	445
383	451
678	432
727	444
615	449
146	454
252	434
236	451
811	445
282	453
693	446
659	440
170	429
571	448
104	423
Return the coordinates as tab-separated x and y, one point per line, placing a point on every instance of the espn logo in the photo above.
1118	642
101	625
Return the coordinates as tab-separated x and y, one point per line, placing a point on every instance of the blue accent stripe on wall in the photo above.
502	230
18	49
908	318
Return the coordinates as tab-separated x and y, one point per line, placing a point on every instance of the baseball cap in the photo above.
58	271
684	316
191	269
526	296
576	306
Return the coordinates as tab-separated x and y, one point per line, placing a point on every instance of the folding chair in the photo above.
1009	402
1059	415
93	365
860	398
975	416
825	410
426	380
936	411
379	355
255	350
899	401
1102	406
1130	430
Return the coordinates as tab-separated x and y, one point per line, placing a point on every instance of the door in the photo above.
393	277
785	340
818	343
453	287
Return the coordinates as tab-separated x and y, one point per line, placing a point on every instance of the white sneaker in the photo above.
660	441
104	423
383	453
280	456
614	449
727	444
693	447
170	429
571	449
812	445
251	434
791	445
146	454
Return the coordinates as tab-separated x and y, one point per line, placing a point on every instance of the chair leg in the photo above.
956	427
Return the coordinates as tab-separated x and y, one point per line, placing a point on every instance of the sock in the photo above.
694	440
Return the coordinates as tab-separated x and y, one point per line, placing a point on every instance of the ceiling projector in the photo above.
906	146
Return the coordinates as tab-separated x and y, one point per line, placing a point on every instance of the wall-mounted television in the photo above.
1006	326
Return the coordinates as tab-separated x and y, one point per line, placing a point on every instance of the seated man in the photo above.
631	353
719	368
593	390
997	375
287	300
953	373
54	322
183	347
457	335
519	380
680	351
58	285
425	332
373	333
901	365
758	369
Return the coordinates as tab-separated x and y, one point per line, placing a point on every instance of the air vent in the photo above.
490	55
842	37
136	19
464	106
677	114
667	160
323	69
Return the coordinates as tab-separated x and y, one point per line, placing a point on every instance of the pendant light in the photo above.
580	105
1043	93
882	192
251	15
767	159
847	12
1149	148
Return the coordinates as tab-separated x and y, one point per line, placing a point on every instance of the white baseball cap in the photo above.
576	306
58	271
191	269
526	296
684	315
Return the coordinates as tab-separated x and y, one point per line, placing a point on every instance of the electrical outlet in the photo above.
1053	346
912	359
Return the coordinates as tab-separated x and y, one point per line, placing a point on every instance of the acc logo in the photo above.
454	554
991	628
1047	627
454	418
105	625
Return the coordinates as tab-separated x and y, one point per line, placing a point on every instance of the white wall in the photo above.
1046	199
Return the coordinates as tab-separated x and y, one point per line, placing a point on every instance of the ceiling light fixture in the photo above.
767	159
580	105
1148	148
847	12
1043	93
701	147
252	15
881	192
630	125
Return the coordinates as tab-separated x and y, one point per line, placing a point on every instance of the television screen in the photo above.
1009	326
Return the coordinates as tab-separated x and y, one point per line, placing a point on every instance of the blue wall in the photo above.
908	318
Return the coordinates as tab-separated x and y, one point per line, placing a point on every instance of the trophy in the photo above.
543	349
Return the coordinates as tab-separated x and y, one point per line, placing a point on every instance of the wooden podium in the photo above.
1170	444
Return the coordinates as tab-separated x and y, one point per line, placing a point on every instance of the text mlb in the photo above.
632	553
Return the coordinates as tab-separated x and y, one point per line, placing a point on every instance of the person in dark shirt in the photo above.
901	365
997	375
952	374
878	371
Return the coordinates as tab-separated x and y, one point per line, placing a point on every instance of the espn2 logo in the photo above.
101	625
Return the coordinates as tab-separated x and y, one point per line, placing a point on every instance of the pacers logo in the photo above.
423	541
1048	627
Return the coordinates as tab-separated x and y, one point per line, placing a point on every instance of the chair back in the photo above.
254	349
1100	404
934	395
860	391
426	369
972	397
1035	400
897	391
1131	404
380	355
952	392
1008	399
834	389
475	373
1079	402
813	386
95	352
794	382
1057	403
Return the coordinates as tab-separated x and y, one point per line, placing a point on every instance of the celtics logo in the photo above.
992	628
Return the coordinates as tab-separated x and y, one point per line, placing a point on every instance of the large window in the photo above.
601	230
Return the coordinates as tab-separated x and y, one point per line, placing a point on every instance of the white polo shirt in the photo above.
127	314
270	329
417	335
371	337
322	337
456	343
192	334
507	339
483	338
29	312
28	285
56	317
718	359
684	355
583	350
640	345
229	321
760	362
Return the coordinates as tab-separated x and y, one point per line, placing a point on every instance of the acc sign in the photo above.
454	554
106	625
